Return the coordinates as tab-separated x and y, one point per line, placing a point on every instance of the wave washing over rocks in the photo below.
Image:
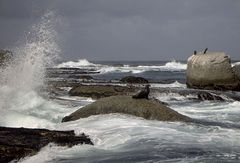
32	96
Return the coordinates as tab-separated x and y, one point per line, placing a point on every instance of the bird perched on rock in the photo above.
205	51
142	93
195	52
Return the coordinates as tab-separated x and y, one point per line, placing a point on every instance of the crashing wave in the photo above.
83	63
174	65
79	64
236	63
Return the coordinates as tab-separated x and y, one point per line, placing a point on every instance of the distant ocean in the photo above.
26	101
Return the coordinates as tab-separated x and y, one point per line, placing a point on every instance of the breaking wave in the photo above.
22	80
79	64
135	69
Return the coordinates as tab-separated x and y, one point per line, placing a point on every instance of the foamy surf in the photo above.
120	137
117	137
135	69
81	63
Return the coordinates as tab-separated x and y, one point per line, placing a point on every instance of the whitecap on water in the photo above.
81	63
175	84
85	64
25	75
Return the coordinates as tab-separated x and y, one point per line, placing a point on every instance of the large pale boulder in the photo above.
212	70
148	109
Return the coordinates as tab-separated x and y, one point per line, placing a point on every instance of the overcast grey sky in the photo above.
130	29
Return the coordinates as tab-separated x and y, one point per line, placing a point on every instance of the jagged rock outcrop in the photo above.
133	79
212	70
148	109
100	91
16	143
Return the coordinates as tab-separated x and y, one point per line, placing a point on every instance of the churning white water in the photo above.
116	138
25	75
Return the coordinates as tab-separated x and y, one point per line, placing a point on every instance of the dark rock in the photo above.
86	77
148	109
208	96
133	79
5	56
99	91
16	143
118	65
194	93
142	93
69	72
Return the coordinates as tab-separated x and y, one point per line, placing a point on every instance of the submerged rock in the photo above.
16	143
211	71
133	79
148	109
208	96
100	91
86	77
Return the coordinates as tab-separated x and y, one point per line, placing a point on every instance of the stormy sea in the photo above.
34	93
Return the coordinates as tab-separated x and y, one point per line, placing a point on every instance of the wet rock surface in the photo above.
16	143
148	109
133	79
100	91
209	96
200	95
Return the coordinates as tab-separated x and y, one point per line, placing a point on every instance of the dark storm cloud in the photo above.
131	29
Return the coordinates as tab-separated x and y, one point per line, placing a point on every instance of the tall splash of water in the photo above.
28	67
22	78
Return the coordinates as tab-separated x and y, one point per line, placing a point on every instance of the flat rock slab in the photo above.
148	109
100	91
16	143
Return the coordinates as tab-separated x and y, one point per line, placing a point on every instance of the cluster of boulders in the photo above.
208	70
124	100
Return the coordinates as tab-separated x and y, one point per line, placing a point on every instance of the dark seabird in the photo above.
205	51
142	93
195	52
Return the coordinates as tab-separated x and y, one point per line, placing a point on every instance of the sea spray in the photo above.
27	70
21	79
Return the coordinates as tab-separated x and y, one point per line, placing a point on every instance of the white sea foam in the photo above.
169	66
122	137
20	81
81	63
116	137
236	63
175	84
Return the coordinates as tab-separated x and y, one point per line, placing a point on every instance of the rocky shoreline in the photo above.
16	143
